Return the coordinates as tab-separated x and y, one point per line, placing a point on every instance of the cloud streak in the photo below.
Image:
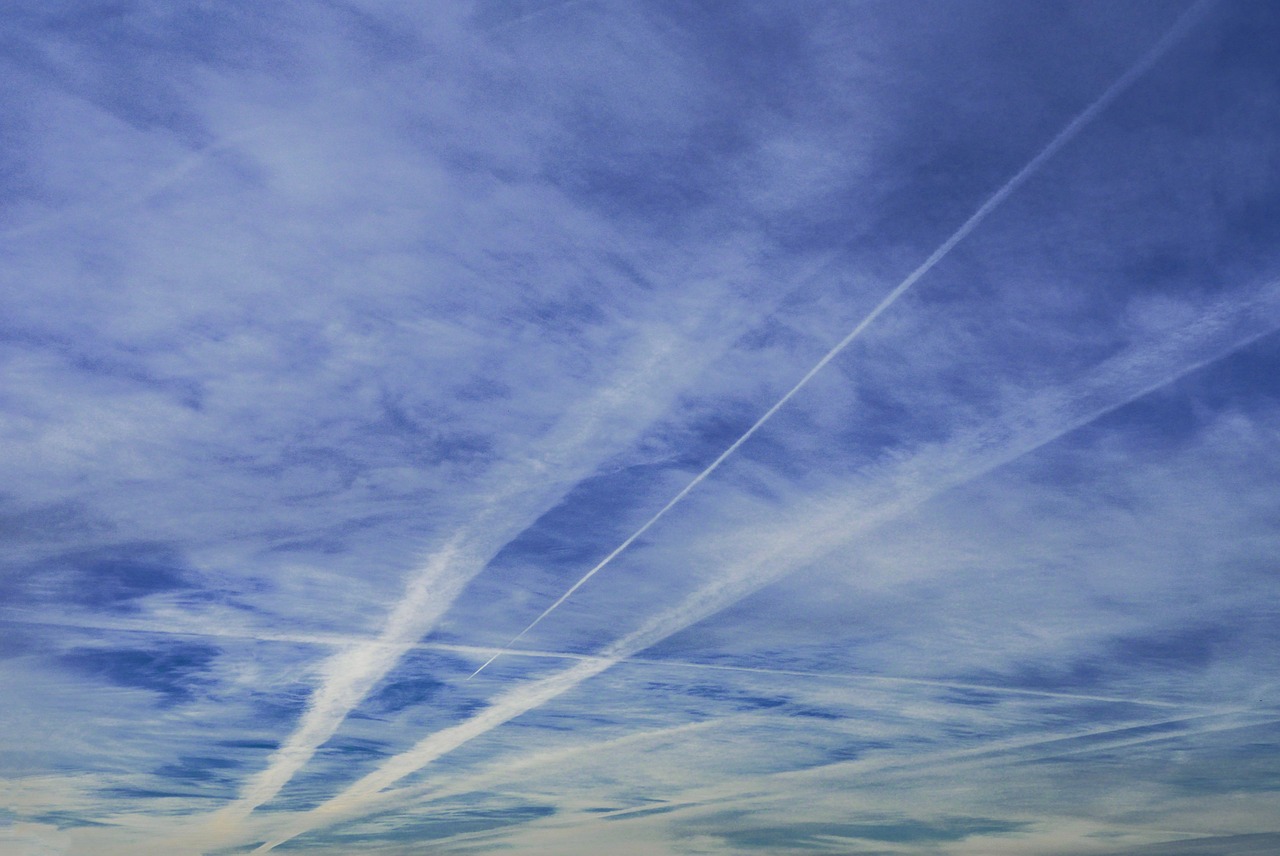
1061	744
342	340
804	538
1179	29
519	492
345	641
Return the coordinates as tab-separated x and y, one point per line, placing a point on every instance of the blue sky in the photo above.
891	387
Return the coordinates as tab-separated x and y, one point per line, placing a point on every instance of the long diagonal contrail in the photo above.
510	498
1040	420
1116	383
1082	119
1032	430
513	495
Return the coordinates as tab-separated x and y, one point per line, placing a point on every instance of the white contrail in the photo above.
511	770
338	640
504	772
1180	27
1040	420
767	787
581	439
527	489
712	598
349	675
1064	743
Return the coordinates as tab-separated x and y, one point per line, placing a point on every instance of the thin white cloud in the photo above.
253	388
1058	744
580	441
345	641
810	533
1072	128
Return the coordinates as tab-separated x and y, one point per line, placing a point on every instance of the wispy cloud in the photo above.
1019	178
580	441
808	535
340	341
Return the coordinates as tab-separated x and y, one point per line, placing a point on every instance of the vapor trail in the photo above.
1012	750
1082	119
713	799
513	496
337	640
1030	430
1039	420
519	492
505	772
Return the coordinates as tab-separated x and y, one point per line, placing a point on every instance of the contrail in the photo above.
1063	743
519	493
715	597
1150	58
510	771
337	640
505	772
1010	750
525	489
1040	420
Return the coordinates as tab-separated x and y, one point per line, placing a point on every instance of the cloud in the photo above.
340	341
809	533
1062	138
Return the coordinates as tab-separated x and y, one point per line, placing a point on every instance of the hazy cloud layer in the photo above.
340	341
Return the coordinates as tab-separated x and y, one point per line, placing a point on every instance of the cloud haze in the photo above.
569	427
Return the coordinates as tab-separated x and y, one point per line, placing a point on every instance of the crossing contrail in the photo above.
1015	750
513	496
342	640
1030	430
1082	119
1040	420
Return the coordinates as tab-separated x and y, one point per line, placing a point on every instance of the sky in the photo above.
652	427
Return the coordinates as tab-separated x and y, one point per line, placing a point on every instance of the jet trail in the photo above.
765	567
1150	58
1040	420
517	494
337	640
1013	750
504	772
525	489
1009	751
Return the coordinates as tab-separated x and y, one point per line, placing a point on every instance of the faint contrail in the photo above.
339	640
710	599
504	772
1040	420
1072	128
520	493
1112	737
524	490
384	800
1065	743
